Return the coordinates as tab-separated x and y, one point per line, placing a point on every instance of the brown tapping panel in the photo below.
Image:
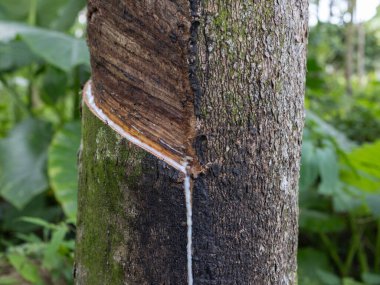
140	74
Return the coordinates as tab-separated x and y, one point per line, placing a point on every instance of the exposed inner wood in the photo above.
140	71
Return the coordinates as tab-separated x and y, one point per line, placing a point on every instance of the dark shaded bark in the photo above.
247	73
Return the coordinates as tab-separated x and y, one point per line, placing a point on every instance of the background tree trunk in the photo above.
247	72
331	12
361	53
350	46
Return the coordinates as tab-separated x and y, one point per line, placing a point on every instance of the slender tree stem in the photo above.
333	252
350	256
32	12
77	97
357	236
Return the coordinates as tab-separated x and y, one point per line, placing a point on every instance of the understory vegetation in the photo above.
44	63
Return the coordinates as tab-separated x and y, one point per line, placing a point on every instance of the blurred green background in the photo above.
44	63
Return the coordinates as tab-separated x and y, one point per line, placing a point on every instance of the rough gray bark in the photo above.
247	73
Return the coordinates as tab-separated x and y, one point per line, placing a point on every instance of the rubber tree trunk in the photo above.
246	62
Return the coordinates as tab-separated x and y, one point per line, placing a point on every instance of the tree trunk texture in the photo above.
246	68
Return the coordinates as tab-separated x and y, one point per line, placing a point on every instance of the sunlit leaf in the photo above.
364	173
38	222
350	281
26	268
62	167
366	159
50	260
6	280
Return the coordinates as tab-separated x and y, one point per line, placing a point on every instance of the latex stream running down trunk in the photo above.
218	84
189	222
89	99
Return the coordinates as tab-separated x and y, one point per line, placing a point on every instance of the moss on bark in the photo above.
105	159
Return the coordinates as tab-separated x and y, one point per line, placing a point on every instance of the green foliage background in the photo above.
44	63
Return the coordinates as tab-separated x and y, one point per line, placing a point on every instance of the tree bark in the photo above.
246	69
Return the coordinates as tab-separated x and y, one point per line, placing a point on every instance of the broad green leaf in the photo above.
350	281
39	222
309	166
10	30
46	14
62	167
15	54
5	280
361	180
371	278
328	278
329	170
26	268
327	129
68	14
365	160
319	222
58	49
15	10
373	202
48	11
23	156
51	252
38	207
54	85
349	199
309	262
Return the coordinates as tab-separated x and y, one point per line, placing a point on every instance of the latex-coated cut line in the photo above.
90	102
